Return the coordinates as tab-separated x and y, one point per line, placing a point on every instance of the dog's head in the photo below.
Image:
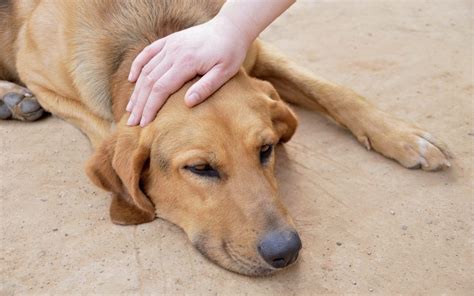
209	170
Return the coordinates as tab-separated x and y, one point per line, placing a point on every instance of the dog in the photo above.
208	169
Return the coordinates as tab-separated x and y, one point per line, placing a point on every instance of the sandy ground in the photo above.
367	224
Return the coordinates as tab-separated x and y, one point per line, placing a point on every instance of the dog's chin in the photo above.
224	255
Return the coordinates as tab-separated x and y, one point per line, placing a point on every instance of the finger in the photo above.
143	57
168	84
206	86
136	91
133	107
144	92
147	69
142	97
133	97
154	62
129	106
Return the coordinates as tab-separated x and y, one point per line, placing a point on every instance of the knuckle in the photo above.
227	72
149	80
154	44
187	59
147	69
159	87
174	49
147	51
205	87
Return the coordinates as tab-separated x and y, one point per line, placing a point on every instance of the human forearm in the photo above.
250	18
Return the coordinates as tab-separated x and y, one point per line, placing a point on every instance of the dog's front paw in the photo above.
411	146
21	106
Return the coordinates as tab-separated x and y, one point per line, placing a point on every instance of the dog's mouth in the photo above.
229	257
252	266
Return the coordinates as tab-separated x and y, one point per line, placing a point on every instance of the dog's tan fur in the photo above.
75	57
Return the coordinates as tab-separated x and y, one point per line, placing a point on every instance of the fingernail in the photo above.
131	119
130	77
129	106
193	99
143	122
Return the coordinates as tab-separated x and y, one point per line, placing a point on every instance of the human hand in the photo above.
215	49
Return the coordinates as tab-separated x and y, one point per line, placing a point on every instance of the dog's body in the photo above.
208	169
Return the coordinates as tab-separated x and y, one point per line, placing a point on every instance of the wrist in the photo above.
225	25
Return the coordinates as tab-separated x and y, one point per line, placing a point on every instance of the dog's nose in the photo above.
280	248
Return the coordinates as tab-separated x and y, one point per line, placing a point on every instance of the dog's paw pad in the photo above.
20	106
4	111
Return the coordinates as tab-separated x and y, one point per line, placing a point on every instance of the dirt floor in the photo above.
367	224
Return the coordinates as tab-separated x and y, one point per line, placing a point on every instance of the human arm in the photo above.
215	50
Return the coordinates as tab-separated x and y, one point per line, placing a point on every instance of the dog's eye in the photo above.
265	152
204	170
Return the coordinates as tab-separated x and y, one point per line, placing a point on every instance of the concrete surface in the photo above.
368	225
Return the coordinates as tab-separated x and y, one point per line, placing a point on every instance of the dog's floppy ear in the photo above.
116	166
283	118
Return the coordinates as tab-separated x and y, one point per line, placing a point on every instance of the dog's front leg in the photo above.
408	144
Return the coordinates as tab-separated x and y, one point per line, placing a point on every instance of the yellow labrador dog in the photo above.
208	169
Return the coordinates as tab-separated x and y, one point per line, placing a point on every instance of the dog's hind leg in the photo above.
408	144
17	102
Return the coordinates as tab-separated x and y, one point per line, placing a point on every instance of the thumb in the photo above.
206	86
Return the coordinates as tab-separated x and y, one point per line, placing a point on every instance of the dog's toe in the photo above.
20	106
422	153
415	149
408	144
12	99
4	111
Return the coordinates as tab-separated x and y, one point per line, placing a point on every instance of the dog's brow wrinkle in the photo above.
163	163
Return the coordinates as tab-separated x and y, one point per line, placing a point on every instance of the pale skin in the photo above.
214	50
